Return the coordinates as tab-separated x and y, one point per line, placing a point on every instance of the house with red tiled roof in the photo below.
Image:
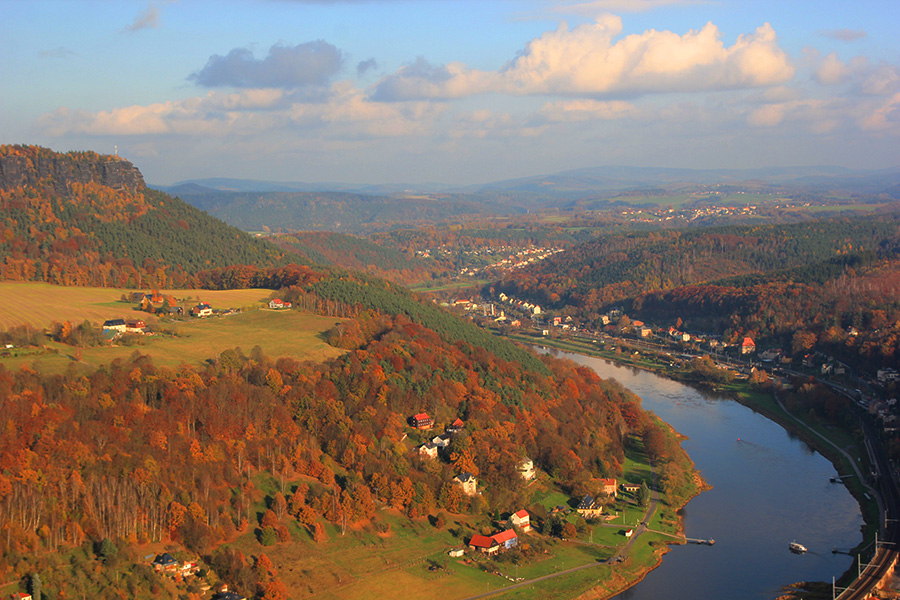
456	426
21	596
747	346
421	421
279	303
608	487
521	519
507	539
484	544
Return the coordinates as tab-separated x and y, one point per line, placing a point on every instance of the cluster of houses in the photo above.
154	302
166	564
591	508
515	257
113	328
466	481
501	541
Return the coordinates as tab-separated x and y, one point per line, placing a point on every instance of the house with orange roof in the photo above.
521	519
421	421
506	539
747	346
608	487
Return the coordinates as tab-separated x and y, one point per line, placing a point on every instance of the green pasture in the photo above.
186	340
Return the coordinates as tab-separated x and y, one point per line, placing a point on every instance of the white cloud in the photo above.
884	117
347	112
588	61
831	70
882	80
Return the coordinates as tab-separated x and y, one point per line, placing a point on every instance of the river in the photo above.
769	489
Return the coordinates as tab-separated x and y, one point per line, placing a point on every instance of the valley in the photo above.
286	448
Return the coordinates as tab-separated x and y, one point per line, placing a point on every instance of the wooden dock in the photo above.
709	542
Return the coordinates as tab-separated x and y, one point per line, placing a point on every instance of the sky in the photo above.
452	91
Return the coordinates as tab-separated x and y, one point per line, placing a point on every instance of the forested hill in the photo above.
329	211
84	219
613	268
357	254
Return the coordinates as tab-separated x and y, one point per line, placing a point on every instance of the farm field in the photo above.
278	333
39	304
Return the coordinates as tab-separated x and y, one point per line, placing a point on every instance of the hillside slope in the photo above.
84	219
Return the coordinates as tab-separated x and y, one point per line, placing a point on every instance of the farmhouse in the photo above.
203	309
484	544
135	326
506	539
631	487
279	303
115	325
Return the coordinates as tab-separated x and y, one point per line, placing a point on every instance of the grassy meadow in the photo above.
187	340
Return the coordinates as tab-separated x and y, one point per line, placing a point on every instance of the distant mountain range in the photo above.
296	206
570	183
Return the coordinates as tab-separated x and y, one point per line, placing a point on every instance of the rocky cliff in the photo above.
42	168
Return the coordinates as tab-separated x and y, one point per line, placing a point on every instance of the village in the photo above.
517	525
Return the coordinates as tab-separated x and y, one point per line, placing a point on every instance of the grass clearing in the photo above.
40	304
191	341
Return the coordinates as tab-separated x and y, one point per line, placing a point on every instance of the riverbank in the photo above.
830	442
634	570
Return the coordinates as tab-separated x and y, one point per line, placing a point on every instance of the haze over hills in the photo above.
586	180
358	208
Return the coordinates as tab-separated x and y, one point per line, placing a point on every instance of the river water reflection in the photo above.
769	489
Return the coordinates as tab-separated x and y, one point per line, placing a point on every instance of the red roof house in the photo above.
455	426
484	544
507	539
608	486
521	519
747	346
421	421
